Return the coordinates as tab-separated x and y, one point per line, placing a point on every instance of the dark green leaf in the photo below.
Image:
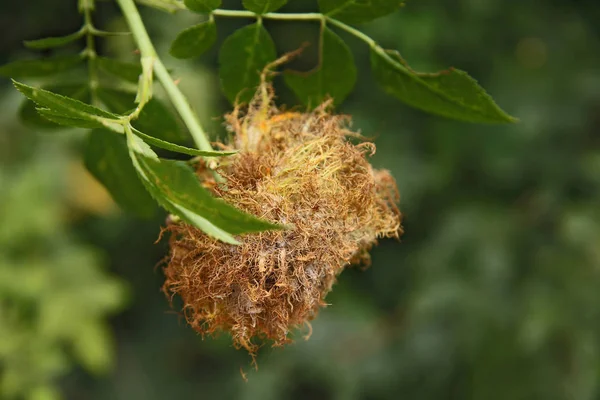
358	11
155	119
38	68
125	70
202	6
195	40
60	119
65	106
451	93
178	189
180	149
30	116
263	6
52	42
242	58
335	76
107	159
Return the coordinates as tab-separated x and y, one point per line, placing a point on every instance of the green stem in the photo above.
297	17
281	16
149	56
90	53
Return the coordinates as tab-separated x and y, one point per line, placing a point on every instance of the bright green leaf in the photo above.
202	6
38	68
125	70
180	149
65	106
155	119
334	77
178	182
107	159
451	93
52	42
177	188
30	116
242	58
358	11
195	40
263	6
62	120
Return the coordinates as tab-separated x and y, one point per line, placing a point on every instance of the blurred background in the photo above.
493	292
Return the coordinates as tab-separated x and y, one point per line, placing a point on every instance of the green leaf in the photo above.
155	119
64	106
195	40
335	76
38	68
178	183
358	11
451	93
180	149
107	159
242	58
30	116
52	42
60	119
202	6
263	6
121	69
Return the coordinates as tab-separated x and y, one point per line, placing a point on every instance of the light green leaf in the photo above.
242	58
65	106
451	93
202	6
125	70
334	77
41	67
177	188
155	119
195	40
30	116
107	159
52	42
62	120
358	11
263	6
180	149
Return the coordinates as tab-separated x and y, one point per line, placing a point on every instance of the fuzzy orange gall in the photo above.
297	169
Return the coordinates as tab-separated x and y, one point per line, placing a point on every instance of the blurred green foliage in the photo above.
493	292
54	295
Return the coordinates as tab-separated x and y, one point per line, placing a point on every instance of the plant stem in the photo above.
90	51
148	55
352	31
281	16
297	17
